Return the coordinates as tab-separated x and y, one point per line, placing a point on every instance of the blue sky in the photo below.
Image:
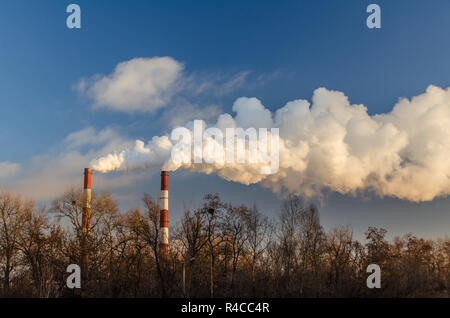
289	48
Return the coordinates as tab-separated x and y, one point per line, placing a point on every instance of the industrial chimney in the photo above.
164	213
86	215
86	221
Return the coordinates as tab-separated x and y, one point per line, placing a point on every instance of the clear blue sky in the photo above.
307	44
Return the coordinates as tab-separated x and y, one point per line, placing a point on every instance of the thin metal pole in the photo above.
212	277
183	278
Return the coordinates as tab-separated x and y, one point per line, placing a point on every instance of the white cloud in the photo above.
140	84
8	169
149	84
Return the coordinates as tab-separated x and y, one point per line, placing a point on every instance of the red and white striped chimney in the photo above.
164	213
86	219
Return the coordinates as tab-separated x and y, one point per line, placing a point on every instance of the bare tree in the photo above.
213	208
193	236
339	249
258	234
12	211
150	228
235	236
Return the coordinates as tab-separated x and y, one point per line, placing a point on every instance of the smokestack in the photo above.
86	215
164	213
86	221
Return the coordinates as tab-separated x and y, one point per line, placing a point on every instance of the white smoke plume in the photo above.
331	145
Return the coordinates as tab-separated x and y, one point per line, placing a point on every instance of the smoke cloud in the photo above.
330	144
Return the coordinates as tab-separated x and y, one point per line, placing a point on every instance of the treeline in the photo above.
225	250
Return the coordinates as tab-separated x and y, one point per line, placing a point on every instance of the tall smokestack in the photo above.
86	221
164	213
86	214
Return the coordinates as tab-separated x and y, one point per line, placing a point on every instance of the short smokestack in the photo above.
86	216
164	213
